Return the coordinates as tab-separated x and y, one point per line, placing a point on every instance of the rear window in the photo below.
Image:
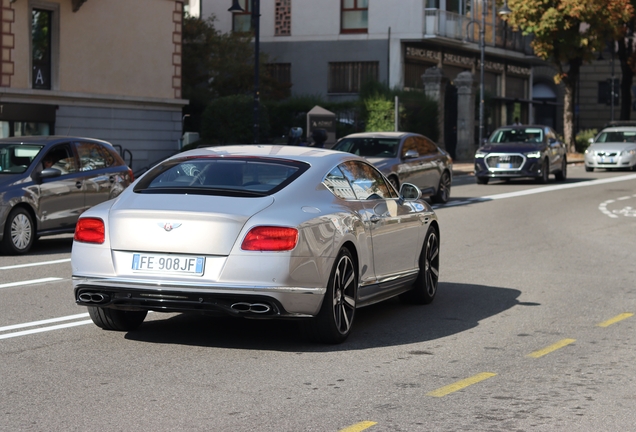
370	147
221	176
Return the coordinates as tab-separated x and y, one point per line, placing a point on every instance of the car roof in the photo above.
314	156
619	129
380	135
48	139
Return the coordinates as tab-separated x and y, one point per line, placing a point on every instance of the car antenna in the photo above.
68	130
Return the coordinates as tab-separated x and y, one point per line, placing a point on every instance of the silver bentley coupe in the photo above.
256	231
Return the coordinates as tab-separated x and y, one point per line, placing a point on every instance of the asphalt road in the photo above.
531	331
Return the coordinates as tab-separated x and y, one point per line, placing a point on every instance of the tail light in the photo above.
132	176
270	238
90	230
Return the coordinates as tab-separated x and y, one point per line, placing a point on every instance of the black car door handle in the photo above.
78	184
111	179
374	218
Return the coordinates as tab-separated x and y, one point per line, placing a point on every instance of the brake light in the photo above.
90	230
270	238
132	176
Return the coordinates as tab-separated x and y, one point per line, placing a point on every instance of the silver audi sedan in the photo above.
256	231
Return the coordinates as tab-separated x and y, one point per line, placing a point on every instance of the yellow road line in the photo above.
553	347
614	320
359	426
443	391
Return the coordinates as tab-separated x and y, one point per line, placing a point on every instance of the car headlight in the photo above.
480	154
631	152
534	154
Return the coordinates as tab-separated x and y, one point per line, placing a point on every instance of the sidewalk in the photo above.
467	167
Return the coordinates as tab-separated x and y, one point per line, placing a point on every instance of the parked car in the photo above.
521	151
405	157
46	182
614	147
256	232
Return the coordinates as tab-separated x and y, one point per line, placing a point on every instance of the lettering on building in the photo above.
518	70
424	54
459	60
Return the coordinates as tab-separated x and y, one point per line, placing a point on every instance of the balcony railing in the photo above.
454	26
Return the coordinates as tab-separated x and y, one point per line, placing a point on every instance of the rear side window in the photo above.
94	156
16	158
221	176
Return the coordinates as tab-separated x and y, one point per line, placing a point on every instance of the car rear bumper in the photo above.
246	301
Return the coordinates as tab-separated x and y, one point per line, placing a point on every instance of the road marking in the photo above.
537	191
553	347
42	322
30	282
35	264
44	329
359	426
443	391
616	319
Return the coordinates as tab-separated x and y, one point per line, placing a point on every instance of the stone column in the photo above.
435	88
465	150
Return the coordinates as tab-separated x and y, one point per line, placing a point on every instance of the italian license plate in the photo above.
504	165
182	264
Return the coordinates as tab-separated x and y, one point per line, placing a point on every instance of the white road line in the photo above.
42	322
35	264
29	282
45	329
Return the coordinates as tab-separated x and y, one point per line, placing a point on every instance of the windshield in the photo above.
517	135
221	176
627	136
16	158
369	147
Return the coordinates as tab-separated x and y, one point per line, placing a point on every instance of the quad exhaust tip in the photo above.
257	308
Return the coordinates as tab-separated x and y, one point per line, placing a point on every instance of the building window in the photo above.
348	77
605	92
41	30
242	21
283	18
281	74
355	16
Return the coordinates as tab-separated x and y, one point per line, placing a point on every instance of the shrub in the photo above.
582	139
230	119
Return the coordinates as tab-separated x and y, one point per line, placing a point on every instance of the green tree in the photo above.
219	64
568	33
624	45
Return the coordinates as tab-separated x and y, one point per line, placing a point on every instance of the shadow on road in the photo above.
457	308
53	245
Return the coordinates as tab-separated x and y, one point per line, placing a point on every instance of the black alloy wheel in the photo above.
482	180
443	190
425	286
563	174
545	172
590	169
19	232
114	319
333	323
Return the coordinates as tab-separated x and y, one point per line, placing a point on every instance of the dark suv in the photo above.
521	151
46	182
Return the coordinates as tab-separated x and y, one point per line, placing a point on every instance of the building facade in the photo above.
102	69
330	48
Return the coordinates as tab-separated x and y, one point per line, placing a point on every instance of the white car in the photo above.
613	148
256	232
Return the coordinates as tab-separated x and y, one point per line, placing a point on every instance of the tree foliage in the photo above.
568	33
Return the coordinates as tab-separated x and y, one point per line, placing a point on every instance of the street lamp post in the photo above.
503	11
256	17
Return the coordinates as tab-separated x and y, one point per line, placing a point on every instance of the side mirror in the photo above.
411	154
49	173
410	192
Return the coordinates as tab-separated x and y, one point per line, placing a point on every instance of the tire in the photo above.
333	323
545	172
589	169
443	189
19	232
425	286
395	182
563	174
482	180
114	319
